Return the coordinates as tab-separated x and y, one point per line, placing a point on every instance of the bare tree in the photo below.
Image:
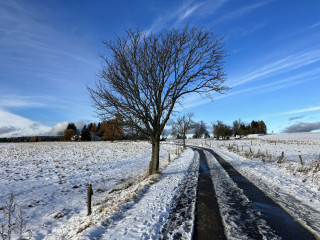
236	127
221	130
182	126
202	129
145	76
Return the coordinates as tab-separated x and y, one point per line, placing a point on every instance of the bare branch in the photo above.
145	76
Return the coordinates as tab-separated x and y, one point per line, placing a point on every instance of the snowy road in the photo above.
247	212
208	220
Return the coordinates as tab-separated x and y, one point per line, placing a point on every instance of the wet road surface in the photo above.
208	224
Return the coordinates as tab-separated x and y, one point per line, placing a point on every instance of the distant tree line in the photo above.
111	130
32	139
184	124
238	128
108	130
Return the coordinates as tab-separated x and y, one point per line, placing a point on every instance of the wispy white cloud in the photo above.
24	101
303	110
316	25
9	101
241	12
171	17
196	100
188	9
247	30
31	46
286	64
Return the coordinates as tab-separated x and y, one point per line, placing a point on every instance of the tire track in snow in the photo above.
208	221
303	213
240	218
247	212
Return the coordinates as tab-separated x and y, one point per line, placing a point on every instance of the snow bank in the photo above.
145	218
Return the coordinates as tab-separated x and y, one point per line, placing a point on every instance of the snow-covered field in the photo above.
49	180
293	184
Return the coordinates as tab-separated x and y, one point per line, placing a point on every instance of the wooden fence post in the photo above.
89	194
300	158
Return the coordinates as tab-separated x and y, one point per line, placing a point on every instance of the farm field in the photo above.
49	180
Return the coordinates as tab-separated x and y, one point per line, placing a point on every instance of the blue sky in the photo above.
50	53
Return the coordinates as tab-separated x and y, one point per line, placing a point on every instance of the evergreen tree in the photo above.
196	131
254	127
202	129
85	134
262	128
72	127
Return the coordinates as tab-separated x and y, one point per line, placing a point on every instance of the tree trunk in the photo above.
154	163
184	142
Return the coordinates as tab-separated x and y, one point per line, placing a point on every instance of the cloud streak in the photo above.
171	18
187	10
9	101
197	100
303	110
295	118
286	64
19	101
241	12
36	49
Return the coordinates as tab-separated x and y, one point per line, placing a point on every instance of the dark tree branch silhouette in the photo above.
145	76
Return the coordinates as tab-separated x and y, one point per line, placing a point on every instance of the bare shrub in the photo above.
316	164
304	169
247	155
230	148
281	159
11	223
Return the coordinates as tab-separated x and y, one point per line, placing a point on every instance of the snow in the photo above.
49	180
145	219
295	187
311	136
230	195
